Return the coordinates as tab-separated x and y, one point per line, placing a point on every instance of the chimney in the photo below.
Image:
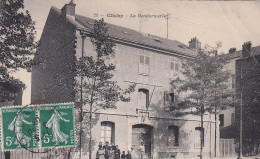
195	44
232	50
246	49
68	10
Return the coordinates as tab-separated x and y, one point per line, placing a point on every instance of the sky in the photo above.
230	23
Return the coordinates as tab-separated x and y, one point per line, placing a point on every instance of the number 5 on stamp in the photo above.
57	125
18	128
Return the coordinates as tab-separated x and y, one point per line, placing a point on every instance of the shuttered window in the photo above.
144	64
173	69
169	98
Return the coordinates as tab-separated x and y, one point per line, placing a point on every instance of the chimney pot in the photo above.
232	50
195	44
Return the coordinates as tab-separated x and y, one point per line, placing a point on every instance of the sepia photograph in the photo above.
129	79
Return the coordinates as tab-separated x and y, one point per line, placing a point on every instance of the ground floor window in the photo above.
173	136
107	132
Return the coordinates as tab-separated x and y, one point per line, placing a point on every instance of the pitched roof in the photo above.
255	51
135	37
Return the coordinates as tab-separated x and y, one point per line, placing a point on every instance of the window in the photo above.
233	118
221	119
144	64
174	68
173	137
169	98
199	135
143	98
107	132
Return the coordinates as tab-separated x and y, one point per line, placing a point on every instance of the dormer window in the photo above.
125	32
156	39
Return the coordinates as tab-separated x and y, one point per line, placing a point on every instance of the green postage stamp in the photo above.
19	130
57	125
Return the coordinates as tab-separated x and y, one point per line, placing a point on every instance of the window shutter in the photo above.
147	60
172	66
176	66
166	97
141	64
175	98
141	59
172	71
147	64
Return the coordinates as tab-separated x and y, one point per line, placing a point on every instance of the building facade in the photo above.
146	60
247	90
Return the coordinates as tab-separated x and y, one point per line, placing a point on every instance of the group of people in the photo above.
111	152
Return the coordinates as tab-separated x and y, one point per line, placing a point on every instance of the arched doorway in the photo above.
142	140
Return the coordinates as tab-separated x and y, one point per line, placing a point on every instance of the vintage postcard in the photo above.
129	79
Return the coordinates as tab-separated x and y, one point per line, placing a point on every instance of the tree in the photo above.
204	87
17	46
95	85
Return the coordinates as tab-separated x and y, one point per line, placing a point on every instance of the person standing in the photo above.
111	153
117	152
123	155
142	150
100	153
133	154
106	148
128	155
113	146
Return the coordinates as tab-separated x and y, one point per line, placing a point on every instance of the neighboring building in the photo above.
230	119
248	90
227	117
149	61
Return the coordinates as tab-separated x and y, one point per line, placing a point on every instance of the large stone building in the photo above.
148	61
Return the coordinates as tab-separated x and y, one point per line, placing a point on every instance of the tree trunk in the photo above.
7	154
90	132
215	146
201	135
